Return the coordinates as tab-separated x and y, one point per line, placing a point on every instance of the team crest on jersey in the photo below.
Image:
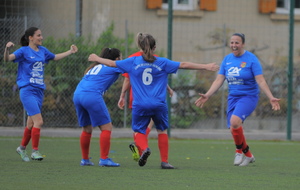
243	64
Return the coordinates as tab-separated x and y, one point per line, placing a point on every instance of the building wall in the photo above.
59	17
191	30
197	37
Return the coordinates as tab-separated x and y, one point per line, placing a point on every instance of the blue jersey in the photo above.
98	79
240	73
31	66
148	80
88	100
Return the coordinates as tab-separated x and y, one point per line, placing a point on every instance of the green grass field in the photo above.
201	164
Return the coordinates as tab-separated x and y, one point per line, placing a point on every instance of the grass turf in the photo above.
201	164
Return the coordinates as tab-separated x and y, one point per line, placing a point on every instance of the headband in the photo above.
240	35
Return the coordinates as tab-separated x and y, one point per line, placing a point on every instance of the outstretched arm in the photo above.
72	50
7	56
260	79
198	66
95	58
213	88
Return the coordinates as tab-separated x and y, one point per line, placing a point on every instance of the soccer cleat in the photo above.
108	163
135	152
86	162
144	157
36	155
23	154
238	159
247	160
165	165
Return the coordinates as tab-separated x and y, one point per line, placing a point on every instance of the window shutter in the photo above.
267	6
153	4
208	5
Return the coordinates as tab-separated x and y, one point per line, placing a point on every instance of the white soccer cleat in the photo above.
238	159
36	155
23	154
247	160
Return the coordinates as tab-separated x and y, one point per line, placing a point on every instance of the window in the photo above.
180	4
283	7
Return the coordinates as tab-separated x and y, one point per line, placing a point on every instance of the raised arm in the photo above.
95	58
7	56
72	50
260	79
198	66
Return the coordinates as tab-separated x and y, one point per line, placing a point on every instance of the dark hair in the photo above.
25	38
147	43
107	53
241	35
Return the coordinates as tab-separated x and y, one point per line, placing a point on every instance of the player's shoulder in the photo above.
24	48
161	58
251	56
250	53
43	48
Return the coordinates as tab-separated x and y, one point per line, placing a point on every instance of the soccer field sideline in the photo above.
223	134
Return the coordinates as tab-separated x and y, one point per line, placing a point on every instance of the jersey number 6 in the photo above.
147	77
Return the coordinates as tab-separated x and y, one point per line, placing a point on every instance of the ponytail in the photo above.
147	44
24	41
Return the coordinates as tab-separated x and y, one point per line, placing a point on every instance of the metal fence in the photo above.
60	31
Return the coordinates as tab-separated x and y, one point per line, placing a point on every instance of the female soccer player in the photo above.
31	59
148	78
244	74
125	87
91	109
